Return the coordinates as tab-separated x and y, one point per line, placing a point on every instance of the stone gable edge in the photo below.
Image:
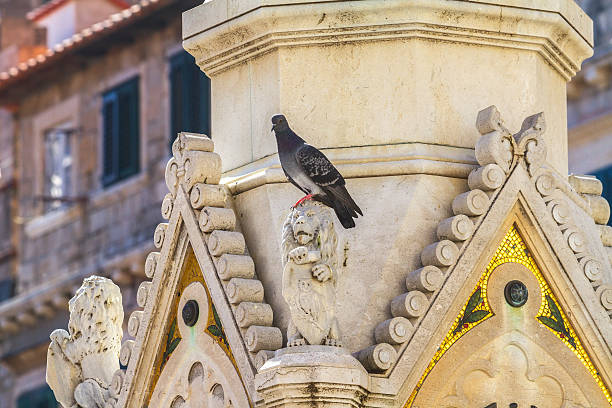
192	176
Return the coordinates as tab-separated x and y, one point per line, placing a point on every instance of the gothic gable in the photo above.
513	188
204	318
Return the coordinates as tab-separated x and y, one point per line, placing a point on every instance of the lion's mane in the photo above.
325	238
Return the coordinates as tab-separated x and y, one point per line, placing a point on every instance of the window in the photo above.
605	176
6	289
58	166
41	397
189	97
6	221
120	132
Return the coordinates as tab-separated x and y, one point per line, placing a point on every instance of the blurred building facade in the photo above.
590	103
92	93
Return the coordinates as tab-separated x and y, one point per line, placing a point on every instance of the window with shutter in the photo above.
120	132
6	289
189	97
58	166
605	176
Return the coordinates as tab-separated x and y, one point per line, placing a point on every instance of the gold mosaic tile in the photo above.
476	310
190	273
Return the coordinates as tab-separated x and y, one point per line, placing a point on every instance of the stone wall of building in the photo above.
84	235
590	100
98	230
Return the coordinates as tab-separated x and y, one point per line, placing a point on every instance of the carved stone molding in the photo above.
200	224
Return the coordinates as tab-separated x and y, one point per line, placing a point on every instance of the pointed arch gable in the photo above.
184	242
518	202
478	308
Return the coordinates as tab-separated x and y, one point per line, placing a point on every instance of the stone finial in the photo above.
497	146
81	361
309	246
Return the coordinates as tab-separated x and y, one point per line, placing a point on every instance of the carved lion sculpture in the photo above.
310	273
82	360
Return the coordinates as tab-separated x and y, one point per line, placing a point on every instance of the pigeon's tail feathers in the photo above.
344	215
339	193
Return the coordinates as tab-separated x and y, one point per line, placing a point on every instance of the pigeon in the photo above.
309	170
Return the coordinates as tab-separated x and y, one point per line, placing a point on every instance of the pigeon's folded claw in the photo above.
301	200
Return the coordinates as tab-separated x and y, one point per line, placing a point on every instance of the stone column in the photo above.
390	91
370	72
307	375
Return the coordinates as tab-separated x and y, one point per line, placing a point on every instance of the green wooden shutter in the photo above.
129	143
176	97
189	97
121	132
109	136
41	397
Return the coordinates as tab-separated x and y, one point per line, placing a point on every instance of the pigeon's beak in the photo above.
272	128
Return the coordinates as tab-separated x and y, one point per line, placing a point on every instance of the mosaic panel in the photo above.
477	309
190	273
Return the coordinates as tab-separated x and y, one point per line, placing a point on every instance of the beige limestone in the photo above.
310	274
198	373
299	375
374	258
370	103
508	358
81	362
440	61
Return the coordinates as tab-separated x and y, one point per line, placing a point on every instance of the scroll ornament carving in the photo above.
497	151
193	162
559	196
82	361
310	274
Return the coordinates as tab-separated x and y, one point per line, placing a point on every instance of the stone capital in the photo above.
312	374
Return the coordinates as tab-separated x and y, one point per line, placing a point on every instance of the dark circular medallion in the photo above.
190	312
516	293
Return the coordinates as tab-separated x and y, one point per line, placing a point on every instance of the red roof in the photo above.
53	5
78	40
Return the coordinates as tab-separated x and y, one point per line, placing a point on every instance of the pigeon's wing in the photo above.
318	167
293	182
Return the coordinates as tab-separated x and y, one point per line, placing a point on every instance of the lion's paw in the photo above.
296	342
299	255
333	342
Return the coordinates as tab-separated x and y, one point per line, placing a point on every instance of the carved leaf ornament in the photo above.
555	322
471	315
171	343
216	329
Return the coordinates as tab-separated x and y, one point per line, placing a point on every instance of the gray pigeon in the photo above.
309	170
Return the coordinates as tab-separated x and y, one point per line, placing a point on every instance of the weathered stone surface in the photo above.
310	274
333	377
244	71
81	361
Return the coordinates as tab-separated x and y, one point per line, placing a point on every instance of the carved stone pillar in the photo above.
359	73
299	376
389	90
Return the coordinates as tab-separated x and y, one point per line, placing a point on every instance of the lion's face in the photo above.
305	225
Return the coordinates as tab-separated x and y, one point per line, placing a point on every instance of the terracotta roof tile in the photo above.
53	5
81	39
